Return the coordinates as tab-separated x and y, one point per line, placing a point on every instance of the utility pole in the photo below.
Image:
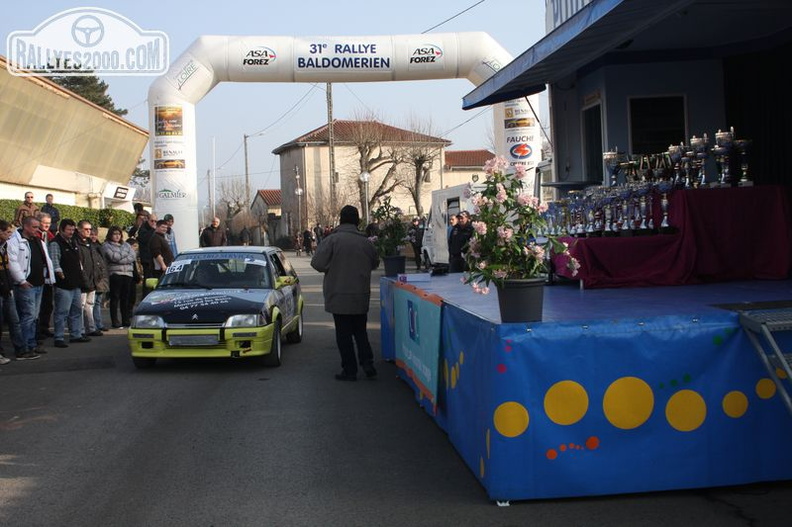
214	176
331	147
209	191
247	175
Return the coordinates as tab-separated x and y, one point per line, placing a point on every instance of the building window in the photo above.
655	123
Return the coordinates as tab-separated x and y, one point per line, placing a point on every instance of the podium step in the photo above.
760	325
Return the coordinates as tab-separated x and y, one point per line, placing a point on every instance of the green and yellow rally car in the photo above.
219	302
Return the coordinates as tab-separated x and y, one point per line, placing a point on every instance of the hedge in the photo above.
100	217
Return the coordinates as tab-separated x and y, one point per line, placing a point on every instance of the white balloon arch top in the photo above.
213	59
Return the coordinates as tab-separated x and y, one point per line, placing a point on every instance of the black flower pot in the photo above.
521	300
394	264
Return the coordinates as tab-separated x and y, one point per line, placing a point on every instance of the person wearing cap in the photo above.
457	243
347	257
170	235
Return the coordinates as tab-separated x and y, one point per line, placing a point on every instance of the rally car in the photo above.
219	302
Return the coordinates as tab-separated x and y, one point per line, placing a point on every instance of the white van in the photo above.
445	202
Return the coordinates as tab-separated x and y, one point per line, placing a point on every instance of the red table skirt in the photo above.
723	234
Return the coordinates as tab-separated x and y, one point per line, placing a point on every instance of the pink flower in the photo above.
496	164
485	290
505	233
542	208
519	171
537	251
501	195
480	227
524	199
574	265
482	265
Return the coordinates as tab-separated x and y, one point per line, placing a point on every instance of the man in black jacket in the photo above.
144	234
457	243
65	256
212	236
93	267
160	249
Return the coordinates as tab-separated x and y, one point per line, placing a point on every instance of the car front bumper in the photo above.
200	343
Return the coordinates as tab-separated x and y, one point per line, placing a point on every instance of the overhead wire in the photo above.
453	17
302	100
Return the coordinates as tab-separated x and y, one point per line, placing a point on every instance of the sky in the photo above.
276	113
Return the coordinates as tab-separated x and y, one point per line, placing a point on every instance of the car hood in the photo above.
201	307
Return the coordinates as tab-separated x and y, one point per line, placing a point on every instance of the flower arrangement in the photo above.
506	242
392	231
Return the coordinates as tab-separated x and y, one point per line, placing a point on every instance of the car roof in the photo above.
252	249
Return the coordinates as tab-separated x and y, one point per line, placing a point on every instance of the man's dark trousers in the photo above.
350	327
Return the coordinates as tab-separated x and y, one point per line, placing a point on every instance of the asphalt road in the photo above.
88	440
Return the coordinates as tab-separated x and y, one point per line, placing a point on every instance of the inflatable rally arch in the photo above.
213	59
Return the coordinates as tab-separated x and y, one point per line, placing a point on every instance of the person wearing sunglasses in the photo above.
26	209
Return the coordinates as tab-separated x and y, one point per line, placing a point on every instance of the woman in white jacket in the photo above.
120	258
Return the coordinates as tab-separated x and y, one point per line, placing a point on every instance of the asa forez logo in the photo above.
426	53
171	194
87	41
260	56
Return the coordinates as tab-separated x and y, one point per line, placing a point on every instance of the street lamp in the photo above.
364	177
298	192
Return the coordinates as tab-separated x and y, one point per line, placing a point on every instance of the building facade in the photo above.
311	195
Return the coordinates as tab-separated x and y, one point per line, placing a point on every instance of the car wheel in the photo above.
143	363
297	334
273	358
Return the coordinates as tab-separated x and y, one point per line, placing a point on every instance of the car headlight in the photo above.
147	322
245	321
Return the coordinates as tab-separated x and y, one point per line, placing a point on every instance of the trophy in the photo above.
688	157
665	187
625	195
699	147
742	146
675	154
722	150
613	161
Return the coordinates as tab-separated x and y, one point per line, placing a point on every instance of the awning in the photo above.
601	26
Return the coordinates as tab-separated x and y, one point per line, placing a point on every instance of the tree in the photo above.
141	181
376	149
234	196
89	87
419	156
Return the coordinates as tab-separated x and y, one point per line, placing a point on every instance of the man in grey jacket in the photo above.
347	257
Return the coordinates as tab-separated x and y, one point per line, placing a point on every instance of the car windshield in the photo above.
218	270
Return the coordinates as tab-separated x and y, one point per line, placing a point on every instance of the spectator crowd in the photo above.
56	275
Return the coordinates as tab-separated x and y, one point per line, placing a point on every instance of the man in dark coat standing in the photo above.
161	253
347	257
213	235
457	243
